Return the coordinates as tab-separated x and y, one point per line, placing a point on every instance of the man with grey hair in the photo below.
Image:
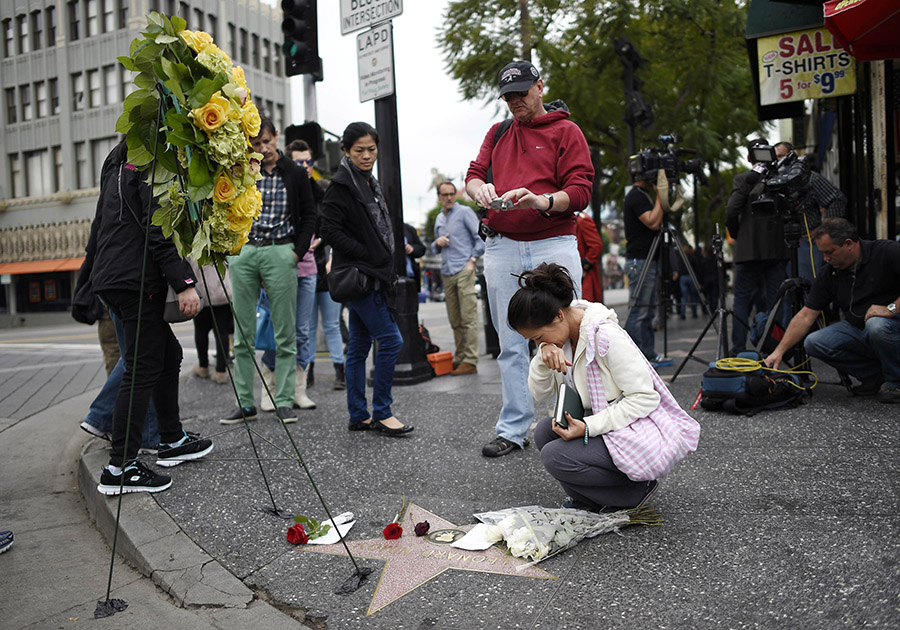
864	281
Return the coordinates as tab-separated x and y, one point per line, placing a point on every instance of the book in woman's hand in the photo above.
567	399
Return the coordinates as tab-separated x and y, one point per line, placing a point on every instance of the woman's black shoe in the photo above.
360	426
377	424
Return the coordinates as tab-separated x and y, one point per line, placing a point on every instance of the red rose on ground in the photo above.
296	535
422	528
392	531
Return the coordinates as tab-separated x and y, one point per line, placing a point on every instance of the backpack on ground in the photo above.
430	346
749	392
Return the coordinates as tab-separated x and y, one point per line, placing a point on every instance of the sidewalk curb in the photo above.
157	547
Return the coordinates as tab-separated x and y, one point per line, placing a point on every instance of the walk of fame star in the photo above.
411	561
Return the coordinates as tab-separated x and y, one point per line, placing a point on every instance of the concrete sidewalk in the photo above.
787	519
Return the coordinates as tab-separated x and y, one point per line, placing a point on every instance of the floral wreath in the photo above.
193	110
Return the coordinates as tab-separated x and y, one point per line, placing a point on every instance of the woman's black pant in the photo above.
150	340
218	319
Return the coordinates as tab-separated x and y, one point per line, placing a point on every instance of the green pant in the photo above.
461	301
276	267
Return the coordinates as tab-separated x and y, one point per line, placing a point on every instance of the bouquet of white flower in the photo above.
536	533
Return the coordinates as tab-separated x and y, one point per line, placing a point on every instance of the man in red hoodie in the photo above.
540	169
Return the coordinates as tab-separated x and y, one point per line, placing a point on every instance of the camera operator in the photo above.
824	201
643	216
864	281
760	252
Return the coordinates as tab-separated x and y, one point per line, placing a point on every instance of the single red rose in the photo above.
392	531
422	528
296	535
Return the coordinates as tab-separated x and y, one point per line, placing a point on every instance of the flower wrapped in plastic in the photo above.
193	113
536	533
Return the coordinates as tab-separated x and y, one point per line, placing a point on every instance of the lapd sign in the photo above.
359	14
803	64
375	53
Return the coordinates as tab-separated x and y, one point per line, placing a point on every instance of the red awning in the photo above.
867	28
41	266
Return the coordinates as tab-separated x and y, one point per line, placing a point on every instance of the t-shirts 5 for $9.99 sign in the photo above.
803	64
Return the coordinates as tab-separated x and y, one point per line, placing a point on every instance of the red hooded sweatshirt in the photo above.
544	155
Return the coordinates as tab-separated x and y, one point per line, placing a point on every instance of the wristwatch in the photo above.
546	213
892	307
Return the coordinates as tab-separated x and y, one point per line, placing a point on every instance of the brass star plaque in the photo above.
411	561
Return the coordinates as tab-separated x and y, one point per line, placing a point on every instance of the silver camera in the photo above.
498	204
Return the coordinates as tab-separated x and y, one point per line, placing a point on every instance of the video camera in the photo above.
645	165
785	184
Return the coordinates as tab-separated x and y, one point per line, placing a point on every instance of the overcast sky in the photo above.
437	128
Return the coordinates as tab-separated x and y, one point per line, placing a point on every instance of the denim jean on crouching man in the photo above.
860	353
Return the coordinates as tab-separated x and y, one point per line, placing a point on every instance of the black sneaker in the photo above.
287	414
889	395
238	416
651	490
138	478
869	387
190	447
500	446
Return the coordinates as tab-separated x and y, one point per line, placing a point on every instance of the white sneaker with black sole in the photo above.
137	478
98	433
188	448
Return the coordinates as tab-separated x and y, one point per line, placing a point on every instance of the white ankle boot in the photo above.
300	397
266	403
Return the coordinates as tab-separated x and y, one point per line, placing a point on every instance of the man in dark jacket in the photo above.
760	254
116	256
278	240
413	248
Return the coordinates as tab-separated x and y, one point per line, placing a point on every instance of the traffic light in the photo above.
301	38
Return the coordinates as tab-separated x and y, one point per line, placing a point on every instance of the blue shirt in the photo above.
461	224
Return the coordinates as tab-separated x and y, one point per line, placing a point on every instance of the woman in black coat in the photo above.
356	223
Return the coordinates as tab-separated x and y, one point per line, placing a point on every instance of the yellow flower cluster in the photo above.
236	200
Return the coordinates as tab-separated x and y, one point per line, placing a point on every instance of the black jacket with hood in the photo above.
115	248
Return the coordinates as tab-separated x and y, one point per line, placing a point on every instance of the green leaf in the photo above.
198	170
179	139
177	120
163	218
201	242
123	123
127	63
167	158
178	23
204	89
135	99
166	39
138	154
145	81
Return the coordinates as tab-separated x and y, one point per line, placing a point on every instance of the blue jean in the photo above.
306	345
100	413
371	320
762	277
331	325
502	257
861	353
688	295
639	324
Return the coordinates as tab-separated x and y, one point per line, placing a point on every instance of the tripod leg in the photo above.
690	354
640	283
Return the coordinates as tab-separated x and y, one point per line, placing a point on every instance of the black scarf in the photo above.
368	192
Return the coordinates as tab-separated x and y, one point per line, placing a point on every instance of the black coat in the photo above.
418	251
116	244
350	229
758	236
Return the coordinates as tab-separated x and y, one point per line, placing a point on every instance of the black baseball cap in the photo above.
517	76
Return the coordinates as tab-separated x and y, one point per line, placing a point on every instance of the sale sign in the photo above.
803	64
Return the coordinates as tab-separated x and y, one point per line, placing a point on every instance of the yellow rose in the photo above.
240	245
250	119
239	224
238	73
248	203
225	190
198	41
212	115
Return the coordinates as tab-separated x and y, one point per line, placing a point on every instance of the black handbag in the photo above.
346	284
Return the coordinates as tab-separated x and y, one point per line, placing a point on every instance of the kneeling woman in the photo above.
633	431
356	223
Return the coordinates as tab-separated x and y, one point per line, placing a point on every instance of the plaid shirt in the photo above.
823	194
648	448
274	220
